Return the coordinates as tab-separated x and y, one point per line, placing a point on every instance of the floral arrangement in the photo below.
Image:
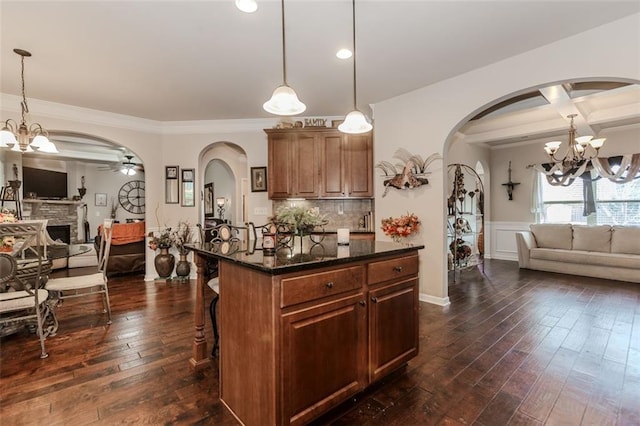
182	235
401	227
8	242
160	239
302	219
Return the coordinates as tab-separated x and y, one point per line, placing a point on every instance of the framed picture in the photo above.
101	199
188	188
171	189
187	175
171	172
258	179
209	206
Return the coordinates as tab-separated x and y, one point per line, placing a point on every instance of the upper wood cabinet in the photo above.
319	163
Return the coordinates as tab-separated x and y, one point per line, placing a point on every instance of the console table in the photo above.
304	329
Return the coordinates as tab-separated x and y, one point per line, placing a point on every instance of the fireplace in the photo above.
60	233
58	213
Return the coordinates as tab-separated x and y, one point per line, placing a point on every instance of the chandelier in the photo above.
355	122
284	100
580	149
23	137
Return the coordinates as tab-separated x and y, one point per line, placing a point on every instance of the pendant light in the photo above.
284	100
355	122
24	137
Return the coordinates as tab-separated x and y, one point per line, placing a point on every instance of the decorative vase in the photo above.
183	268
164	263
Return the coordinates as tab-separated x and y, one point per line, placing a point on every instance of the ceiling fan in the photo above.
127	167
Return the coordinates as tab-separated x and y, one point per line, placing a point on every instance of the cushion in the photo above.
592	238
553	235
625	239
614	260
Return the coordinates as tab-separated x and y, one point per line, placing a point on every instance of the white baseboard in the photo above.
440	301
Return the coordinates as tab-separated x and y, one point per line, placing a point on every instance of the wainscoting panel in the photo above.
502	239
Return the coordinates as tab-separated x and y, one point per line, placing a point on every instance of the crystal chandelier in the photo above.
23	137
580	149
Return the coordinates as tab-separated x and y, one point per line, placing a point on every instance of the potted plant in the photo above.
164	261
181	236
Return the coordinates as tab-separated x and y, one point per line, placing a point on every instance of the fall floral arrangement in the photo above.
160	239
182	235
401	227
7	242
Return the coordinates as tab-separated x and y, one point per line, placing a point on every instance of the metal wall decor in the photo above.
410	173
510	185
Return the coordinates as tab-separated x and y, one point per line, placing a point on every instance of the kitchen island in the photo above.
305	328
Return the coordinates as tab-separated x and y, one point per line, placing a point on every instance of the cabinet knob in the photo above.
329	284
363	303
374	299
397	268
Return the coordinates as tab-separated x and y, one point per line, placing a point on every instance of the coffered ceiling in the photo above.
206	60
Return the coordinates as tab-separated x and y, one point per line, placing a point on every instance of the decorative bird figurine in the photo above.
412	174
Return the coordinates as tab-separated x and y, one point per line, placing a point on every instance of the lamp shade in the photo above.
355	122
128	171
284	101
7	138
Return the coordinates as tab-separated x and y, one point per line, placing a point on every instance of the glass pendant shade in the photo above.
284	101
128	171
7	138
355	122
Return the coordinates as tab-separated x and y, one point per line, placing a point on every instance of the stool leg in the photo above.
214	323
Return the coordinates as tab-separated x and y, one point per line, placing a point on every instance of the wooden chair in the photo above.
87	285
219	234
22	276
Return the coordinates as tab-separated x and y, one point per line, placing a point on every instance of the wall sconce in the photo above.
220	202
510	185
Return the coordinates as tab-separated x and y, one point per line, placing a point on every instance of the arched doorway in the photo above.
224	174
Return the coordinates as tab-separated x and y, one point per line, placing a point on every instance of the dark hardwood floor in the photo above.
514	347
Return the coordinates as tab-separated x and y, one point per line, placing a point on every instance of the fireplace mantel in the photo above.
37	201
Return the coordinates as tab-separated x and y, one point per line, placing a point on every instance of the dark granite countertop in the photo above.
291	259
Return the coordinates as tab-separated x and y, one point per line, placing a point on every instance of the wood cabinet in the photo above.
319	163
296	345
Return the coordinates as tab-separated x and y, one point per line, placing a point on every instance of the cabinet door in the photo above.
306	163
393	326
324	357
359	166
333	165
279	165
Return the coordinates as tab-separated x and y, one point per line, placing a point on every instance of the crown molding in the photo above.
46	109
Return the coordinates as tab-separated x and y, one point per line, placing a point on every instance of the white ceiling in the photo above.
206	60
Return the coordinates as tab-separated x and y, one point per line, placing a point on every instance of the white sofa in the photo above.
602	251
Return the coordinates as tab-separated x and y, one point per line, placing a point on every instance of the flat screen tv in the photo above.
46	184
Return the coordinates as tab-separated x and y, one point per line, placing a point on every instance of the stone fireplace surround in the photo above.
57	212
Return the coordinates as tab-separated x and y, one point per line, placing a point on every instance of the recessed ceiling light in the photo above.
247	6
344	54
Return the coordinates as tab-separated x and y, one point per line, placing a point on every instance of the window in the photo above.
616	204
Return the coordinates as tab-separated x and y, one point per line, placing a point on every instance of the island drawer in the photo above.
315	286
386	270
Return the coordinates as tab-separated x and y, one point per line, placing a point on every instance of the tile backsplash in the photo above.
340	213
